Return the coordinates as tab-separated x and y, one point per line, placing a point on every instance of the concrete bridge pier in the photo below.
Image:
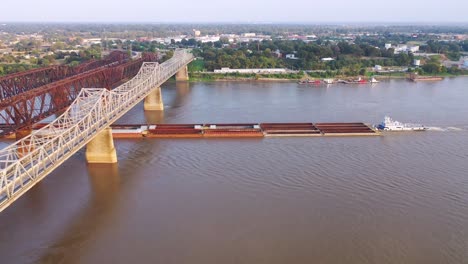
101	148
153	101
182	74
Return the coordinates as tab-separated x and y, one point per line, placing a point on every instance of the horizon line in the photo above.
409	23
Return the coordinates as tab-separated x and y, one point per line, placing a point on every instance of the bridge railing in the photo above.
29	160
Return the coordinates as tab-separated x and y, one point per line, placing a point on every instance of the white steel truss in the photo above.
27	161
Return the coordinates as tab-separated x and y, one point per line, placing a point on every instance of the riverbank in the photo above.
211	77
245	77
241	79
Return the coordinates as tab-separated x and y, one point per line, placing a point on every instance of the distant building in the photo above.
6	51
68	51
413	49
277	53
377	68
417	62
196	33
402	48
291	56
327	59
92	41
465	63
388	45
206	39
249	35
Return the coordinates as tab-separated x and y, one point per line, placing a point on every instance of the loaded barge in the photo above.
237	130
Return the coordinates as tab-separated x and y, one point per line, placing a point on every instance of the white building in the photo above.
206	39
91	41
68	51
291	56
327	59
413	49
266	71
465	63
248	35
406	48
388	45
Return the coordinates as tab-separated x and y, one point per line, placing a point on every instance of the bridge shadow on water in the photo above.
105	186
108	186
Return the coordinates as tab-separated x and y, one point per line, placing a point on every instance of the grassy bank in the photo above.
207	77
245	77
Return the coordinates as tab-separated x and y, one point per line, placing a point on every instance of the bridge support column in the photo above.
154	100
182	74
101	148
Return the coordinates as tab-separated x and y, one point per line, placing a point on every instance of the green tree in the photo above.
431	68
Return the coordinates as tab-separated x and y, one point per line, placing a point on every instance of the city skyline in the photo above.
243	11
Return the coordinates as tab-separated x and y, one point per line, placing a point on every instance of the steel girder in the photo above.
21	82
27	108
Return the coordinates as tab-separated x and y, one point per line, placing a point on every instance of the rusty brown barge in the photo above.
238	130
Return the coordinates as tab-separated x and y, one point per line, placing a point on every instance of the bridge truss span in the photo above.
27	161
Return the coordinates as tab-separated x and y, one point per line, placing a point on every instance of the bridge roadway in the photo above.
27	161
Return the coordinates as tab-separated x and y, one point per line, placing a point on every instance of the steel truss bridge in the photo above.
27	161
28	97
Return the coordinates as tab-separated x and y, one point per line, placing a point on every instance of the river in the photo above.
400	198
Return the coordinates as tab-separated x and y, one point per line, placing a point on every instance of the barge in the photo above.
243	130
236	130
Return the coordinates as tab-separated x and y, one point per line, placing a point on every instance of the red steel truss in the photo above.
25	109
21	82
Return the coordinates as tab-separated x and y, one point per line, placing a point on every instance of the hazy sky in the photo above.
234	11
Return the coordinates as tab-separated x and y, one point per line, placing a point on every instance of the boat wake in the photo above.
444	129
455	129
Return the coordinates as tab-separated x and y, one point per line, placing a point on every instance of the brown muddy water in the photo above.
400	198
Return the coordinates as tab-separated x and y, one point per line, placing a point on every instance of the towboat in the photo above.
309	82
391	125
359	80
306	81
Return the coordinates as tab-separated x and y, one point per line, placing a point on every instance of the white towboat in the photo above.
391	125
